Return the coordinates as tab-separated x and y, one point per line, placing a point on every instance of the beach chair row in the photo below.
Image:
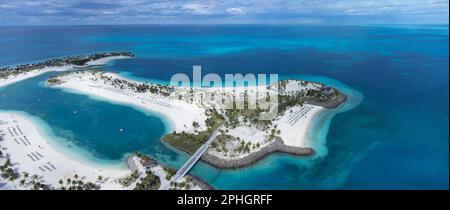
292	120
47	167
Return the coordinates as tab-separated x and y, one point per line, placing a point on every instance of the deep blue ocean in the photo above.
396	138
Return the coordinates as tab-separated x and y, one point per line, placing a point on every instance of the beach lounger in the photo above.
41	169
18	128
51	165
35	156
46	167
303	113
31	157
293	120
290	120
10	132
26	139
39	154
16	141
15	132
292	116
24	143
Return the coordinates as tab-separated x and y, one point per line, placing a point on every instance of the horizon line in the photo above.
218	24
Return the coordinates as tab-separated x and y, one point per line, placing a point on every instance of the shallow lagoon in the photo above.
396	138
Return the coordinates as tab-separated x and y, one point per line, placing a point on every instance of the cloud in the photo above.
199	9
6	6
237	11
222	11
96	5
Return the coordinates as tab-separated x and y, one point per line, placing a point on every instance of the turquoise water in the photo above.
395	138
90	124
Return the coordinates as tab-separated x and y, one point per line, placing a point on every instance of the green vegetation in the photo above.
76	183
190	142
8	172
320	95
169	172
287	101
137	87
184	185
195	124
149	182
220	143
143	157
36	183
53	80
128	180
244	147
79	60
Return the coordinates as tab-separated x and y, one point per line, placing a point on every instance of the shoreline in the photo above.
195	180
12	75
174	111
113	88
293	138
136	162
277	146
332	104
34	73
31	152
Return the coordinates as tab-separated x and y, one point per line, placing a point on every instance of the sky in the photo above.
67	12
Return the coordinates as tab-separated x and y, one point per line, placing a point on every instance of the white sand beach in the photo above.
34	73
295	123
293	126
31	152
180	113
105	60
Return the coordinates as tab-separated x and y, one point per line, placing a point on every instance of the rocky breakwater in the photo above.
277	146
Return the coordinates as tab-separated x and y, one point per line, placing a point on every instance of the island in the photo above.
10	75
29	159
243	138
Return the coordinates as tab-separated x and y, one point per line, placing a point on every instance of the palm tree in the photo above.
8	163
37	185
